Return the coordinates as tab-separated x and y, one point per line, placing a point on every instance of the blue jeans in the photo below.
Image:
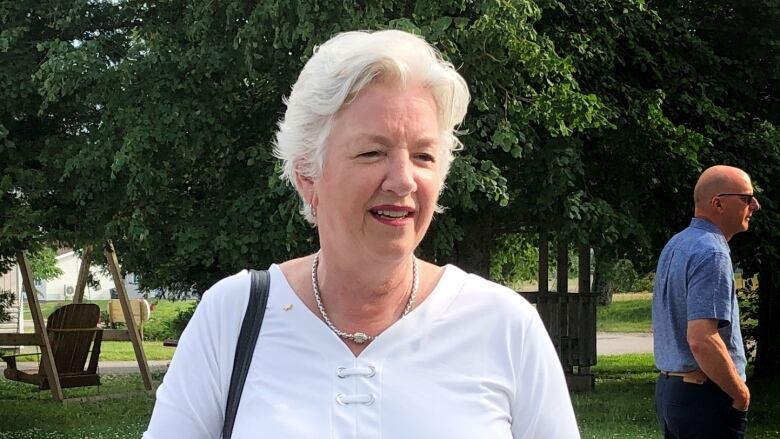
693	411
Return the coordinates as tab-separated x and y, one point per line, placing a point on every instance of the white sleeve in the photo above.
542	406
191	399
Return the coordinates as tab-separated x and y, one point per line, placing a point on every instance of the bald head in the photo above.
718	180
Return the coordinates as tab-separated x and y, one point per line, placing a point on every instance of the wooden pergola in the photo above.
40	337
570	317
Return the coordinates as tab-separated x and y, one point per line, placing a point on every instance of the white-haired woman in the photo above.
362	339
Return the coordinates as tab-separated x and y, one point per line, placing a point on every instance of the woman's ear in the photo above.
306	188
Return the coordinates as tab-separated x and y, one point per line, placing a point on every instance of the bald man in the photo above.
701	391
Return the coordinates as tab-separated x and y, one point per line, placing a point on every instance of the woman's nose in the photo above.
400	176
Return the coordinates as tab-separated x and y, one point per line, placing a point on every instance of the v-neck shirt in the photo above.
472	360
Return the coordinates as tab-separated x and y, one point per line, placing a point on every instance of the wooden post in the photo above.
584	269
544	262
81	282
562	266
132	329
47	357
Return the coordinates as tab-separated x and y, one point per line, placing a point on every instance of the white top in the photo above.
472	361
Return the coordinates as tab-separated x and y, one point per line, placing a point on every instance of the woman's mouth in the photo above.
392	214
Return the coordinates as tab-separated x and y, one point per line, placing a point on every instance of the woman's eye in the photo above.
426	157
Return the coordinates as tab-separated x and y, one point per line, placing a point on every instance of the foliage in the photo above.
514	260
626	280
7	299
166	321
169	319
693	85
635	171
748	313
151	123
40	201
193	117
44	265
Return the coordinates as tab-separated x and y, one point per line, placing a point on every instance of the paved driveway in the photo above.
613	343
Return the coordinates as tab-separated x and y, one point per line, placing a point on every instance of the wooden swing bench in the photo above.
74	336
66	339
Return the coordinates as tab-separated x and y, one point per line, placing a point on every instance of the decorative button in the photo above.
343	372
364	398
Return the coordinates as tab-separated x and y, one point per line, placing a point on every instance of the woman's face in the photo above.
381	179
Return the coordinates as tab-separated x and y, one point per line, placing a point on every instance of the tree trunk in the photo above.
602	279
767	340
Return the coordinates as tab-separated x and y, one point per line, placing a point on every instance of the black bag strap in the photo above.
247	339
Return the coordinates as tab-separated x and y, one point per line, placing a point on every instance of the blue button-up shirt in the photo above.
694	280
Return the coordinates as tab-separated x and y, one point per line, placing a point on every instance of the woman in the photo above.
361	339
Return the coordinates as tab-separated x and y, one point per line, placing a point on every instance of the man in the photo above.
701	391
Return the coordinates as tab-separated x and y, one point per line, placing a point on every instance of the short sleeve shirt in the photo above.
695	280
473	360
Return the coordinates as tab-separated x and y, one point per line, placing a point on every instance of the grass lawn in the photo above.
122	351
620	407
622	404
627	313
27	413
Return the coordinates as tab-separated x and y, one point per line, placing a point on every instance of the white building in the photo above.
63	287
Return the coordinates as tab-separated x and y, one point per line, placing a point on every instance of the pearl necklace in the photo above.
357	337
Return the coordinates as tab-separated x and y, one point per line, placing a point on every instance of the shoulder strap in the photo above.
247	339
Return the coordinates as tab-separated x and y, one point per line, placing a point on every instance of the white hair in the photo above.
346	64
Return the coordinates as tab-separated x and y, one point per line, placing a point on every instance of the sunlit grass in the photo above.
620	407
121	351
622	404
626	313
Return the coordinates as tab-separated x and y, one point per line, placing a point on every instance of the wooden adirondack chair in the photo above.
72	330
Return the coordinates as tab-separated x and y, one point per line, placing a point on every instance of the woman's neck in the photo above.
364	292
358	299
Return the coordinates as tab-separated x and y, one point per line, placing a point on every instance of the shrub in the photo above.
182	319
168	319
626	280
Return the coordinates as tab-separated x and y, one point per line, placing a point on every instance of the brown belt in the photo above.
693	377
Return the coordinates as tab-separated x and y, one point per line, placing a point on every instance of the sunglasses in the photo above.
748	199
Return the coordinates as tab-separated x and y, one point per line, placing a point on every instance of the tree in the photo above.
187	116
739	73
591	119
36	198
705	81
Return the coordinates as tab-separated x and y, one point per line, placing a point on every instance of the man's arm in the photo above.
713	358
